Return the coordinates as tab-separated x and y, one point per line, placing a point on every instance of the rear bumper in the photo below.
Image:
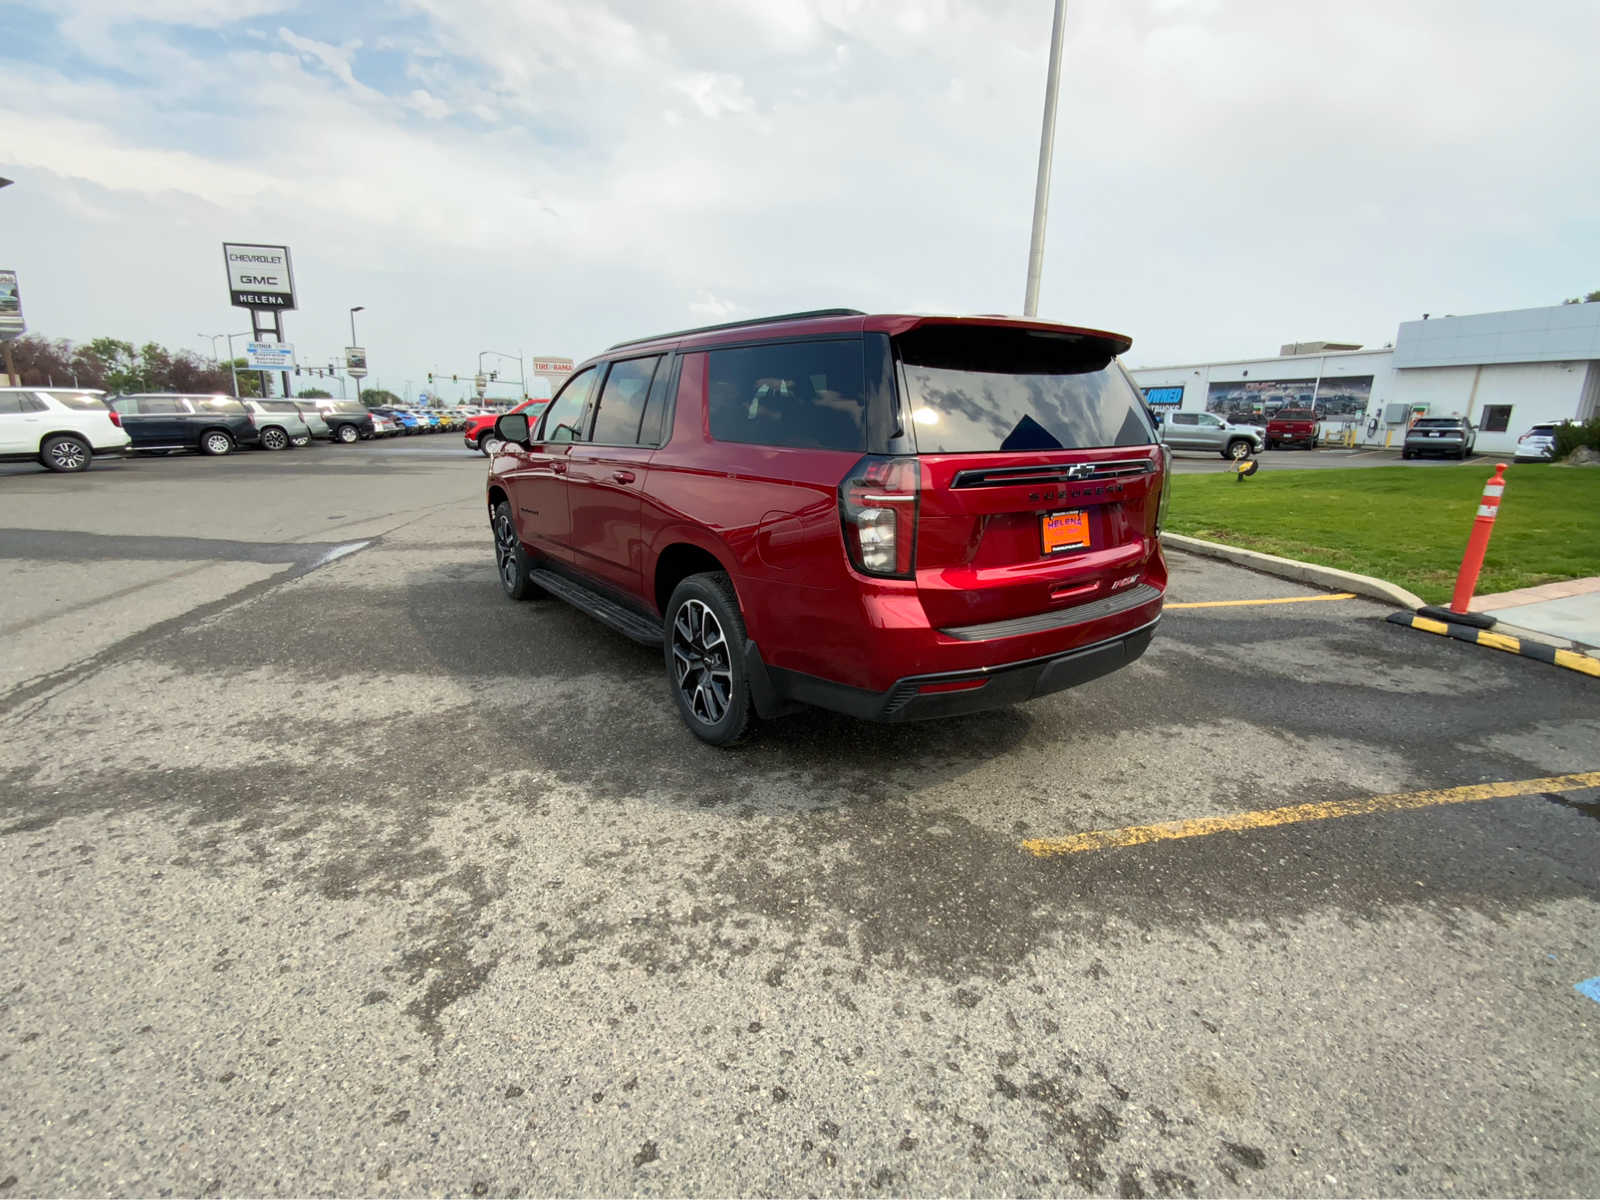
924	697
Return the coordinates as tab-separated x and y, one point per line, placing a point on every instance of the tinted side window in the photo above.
616	421
1183	419
216	404
655	408
562	419
158	406
10	403
82	401
803	394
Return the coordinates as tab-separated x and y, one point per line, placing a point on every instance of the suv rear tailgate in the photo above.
1040	473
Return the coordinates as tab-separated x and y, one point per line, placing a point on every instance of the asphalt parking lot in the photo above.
329	870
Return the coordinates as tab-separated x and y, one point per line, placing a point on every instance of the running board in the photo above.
608	612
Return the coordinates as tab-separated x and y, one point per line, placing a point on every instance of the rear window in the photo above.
987	388
1296	414
283	406
807	395
1439	423
82	401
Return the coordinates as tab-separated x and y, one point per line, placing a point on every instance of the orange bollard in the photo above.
1478	543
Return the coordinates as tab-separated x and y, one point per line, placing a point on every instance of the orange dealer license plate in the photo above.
1065	531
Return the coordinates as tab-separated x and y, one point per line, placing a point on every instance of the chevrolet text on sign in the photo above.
259	276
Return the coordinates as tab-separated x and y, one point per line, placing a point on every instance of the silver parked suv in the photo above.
1208	431
280	423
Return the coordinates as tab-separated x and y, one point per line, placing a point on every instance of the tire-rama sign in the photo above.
259	276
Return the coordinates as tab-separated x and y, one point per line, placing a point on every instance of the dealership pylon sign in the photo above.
259	277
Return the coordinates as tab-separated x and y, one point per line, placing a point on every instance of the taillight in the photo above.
116	417
1166	486
878	510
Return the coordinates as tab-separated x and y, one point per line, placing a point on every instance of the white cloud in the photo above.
715	93
561	173
335	58
428	104
710	308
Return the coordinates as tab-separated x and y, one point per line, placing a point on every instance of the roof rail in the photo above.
794	316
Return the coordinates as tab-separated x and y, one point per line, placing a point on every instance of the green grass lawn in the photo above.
1408	525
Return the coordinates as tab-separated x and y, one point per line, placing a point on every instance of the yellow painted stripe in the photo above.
1578	662
1242	603
1429	625
1499	641
1136	835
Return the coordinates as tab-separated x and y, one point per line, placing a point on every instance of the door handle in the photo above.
559	468
622	476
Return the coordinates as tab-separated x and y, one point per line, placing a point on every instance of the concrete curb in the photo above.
1301	572
1572	660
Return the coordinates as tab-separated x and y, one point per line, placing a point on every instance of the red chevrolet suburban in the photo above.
895	517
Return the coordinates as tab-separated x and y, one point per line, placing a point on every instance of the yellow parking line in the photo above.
1278	600
1135	835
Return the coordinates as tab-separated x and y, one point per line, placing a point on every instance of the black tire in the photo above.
274	438
66	454
510	559
347	435
704	654
1404	454
1271	445
216	442
1237	449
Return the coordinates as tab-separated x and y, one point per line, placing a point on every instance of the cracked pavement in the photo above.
357	878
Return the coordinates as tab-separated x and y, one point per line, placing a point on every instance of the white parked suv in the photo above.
60	428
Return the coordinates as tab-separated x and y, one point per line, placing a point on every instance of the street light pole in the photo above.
232	365
354	343
1047	142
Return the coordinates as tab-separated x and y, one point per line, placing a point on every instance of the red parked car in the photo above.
477	429
1297	425
895	517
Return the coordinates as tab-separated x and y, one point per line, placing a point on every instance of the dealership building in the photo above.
1503	371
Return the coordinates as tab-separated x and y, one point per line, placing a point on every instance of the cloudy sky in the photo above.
553	175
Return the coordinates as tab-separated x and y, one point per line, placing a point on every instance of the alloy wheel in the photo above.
701	666
68	455
505	551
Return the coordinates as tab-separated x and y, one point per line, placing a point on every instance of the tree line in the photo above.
112	365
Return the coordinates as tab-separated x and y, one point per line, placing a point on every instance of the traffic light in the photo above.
297	370
494	374
453	379
430	376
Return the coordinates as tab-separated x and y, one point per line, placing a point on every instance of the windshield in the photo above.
280	406
345	406
997	388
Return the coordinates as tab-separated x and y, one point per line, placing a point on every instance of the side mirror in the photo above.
512	427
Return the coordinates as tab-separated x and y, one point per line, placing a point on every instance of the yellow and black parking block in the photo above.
1571	659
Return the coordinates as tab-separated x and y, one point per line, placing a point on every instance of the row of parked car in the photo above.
64	429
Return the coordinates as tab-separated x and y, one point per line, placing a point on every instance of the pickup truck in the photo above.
1298	425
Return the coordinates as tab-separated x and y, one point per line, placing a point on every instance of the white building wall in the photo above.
1534	391
1537	390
